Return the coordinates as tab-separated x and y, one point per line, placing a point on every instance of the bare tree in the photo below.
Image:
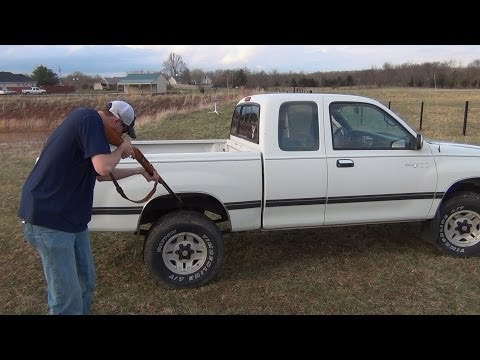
174	65
473	73
197	76
81	80
475	64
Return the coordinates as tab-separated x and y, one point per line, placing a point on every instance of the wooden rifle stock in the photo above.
115	139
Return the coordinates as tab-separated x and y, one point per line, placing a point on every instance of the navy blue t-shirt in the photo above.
58	193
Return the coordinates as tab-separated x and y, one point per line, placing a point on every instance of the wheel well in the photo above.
472	185
202	203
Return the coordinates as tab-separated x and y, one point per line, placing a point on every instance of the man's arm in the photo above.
105	163
126	172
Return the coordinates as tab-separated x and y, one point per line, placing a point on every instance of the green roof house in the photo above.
144	84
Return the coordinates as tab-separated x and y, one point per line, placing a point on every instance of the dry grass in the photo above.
44	113
381	269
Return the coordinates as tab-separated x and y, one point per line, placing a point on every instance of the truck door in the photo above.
374	172
295	169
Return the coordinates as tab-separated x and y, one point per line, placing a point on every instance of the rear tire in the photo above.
183	249
458	231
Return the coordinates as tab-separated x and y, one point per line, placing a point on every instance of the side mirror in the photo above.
419	142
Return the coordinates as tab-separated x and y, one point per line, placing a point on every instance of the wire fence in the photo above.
459	117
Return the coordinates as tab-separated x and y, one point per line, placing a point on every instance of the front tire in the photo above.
459	225
183	249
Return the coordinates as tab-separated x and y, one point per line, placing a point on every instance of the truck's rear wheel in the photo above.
183	249
459	225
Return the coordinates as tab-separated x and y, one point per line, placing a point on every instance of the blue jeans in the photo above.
68	268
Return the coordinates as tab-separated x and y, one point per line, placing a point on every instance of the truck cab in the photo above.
336	159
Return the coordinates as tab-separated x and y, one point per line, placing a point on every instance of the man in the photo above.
57	197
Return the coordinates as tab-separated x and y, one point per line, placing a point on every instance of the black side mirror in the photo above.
419	142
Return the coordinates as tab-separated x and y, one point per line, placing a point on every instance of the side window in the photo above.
235	120
298	126
245	122
359	126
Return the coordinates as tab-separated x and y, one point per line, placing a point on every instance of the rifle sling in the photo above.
122	194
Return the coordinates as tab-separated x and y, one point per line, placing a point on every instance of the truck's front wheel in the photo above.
183	249
459	225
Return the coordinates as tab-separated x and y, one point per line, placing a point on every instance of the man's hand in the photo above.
127	149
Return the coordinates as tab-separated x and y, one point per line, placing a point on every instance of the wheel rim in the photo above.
184	253
463	228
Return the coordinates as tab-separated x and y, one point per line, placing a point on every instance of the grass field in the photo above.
371	269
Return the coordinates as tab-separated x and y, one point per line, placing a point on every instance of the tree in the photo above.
197	75
350	81
44	76
241	77
174	65
79	79
186	76
475	64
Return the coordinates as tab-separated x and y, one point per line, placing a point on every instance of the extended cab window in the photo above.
245	122
358	126
298	126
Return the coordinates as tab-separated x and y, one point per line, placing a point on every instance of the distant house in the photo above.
15	81
97	86
111	83
206	81
175	80
144	84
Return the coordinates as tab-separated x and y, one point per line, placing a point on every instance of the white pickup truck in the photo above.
34	91
294	161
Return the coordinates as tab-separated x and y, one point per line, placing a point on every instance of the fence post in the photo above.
389	103
421	116
465	118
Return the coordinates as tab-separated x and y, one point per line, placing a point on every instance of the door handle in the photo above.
345	163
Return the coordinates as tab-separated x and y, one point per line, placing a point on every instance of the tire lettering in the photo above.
200	273
441	231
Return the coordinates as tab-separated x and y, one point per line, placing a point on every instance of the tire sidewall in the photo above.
451	207
159	270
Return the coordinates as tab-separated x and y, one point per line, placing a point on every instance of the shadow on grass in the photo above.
263	254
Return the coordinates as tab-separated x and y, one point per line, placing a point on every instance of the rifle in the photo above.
115	139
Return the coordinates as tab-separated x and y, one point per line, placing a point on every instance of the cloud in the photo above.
117	60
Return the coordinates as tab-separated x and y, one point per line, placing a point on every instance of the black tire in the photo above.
183	249
458	231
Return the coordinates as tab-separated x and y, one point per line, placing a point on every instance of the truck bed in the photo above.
214	168
179	146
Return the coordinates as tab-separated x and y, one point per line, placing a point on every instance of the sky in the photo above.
118	60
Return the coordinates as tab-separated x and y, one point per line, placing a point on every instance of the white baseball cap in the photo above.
124	112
